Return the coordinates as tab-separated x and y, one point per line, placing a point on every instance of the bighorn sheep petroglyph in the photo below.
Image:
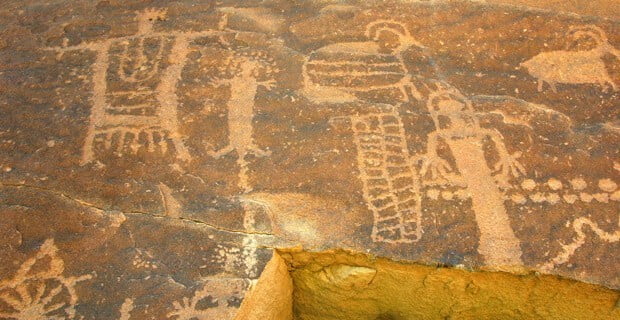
575	67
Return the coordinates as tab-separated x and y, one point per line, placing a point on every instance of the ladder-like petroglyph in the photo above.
39	289
391	187
337	72
568	250
244	72
223	296
135	104
456	124
575	67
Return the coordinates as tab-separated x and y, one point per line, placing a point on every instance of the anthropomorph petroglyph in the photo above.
337	72
391	187
134	89
39	290
456	124
575	67
222	296
245	70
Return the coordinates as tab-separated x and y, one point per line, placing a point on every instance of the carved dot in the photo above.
615	196
433	194
538	197
447	195
578	184
601	197
553	198
607	185
518	198
528	184
554	184
570	198
585	197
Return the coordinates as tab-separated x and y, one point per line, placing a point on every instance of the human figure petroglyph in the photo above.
37	292
245	71
568	250
391	187
221	292
575	67
140	110
457	125
337	72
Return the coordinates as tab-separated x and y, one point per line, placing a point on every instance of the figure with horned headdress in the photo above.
575	67
457	125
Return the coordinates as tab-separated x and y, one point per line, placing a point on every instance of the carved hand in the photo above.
438	167
508	165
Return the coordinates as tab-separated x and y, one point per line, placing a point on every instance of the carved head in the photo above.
146	19
451	110
391	36
589	31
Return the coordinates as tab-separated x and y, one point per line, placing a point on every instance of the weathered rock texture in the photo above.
153	153
340	286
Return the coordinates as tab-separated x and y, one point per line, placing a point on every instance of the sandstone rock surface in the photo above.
154	153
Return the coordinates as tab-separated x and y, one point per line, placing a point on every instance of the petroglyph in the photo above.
171	205
575	67
457	125
391	187
554	191
126	309
249	69
139	110
569	250
39	290
336	72
250	241
222	296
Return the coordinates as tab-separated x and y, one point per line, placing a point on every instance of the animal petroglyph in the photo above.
39	290
247	70
575	67
391	187
336	72
223	295
457	125
134	89
569	250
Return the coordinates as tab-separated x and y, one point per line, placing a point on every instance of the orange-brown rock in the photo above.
153	154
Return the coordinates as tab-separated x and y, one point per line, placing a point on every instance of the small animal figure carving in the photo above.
337	72
575	67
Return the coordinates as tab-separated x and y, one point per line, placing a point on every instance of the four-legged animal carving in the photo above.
575	67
